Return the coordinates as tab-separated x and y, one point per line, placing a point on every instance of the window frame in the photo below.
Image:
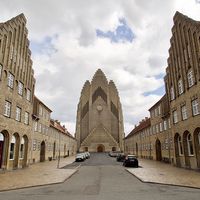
18	114
190	78
195	107
172	94
184	112
175	116
10	81
190	145
180	86
20	88
7	108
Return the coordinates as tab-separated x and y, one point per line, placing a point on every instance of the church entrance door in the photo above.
100	148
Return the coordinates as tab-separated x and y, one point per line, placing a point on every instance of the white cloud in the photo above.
132	66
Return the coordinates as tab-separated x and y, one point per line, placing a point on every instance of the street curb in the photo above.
40	185
158	183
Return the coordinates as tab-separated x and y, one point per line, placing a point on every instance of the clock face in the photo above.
99	108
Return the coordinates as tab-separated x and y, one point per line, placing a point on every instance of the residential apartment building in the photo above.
183	90
17	85
175	128
25	127
50	139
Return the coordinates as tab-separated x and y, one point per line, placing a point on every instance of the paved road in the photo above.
101	178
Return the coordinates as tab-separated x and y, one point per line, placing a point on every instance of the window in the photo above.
180	147
10	80
36	126
195	107
1	68
172	93
12	148
190	145
18	114
28	95
7	109
175	117
180	86
26	118
20	88
40	128
161	127
169	123
190	78
184	112
159	110
21	153
165	125
157	128
40	110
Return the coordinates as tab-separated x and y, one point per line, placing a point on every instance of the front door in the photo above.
42	152
1	152
100	148
158	150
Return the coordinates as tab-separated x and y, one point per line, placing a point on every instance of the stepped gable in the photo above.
99	75
18	17
85	87
181	17
113	86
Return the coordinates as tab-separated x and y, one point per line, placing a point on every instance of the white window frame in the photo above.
12	146
165	125
195	107
175	116
18	114
190	78
161	127
1	70
7	109
180	146
190	144
21	150
184	112
172	95
180	86
26	118
28	95
10	80
20	88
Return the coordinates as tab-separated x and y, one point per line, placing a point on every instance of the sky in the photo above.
127	39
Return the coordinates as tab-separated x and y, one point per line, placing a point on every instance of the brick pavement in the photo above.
36	175
158	172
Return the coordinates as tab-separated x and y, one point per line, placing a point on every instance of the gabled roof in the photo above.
143	124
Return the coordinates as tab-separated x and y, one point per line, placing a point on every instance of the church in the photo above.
99	122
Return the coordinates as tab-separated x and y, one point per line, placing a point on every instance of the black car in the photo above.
130	161
120	157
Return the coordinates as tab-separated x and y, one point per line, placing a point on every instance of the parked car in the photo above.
87	154
80	157
130	161
121	157
113	153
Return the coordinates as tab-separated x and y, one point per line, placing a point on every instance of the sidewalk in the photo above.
158	172
37	174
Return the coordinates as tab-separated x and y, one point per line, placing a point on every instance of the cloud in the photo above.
66	49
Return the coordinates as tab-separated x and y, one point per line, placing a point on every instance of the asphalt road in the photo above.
102	178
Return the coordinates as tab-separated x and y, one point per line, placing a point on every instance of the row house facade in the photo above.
175	127
19	138
17	85
182	82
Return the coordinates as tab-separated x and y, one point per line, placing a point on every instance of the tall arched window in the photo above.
180	147
190	145
21	155
199	137
12	147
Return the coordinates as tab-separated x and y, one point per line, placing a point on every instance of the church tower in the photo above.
99	122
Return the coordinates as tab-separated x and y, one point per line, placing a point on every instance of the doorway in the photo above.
42	152
158	150
100	148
